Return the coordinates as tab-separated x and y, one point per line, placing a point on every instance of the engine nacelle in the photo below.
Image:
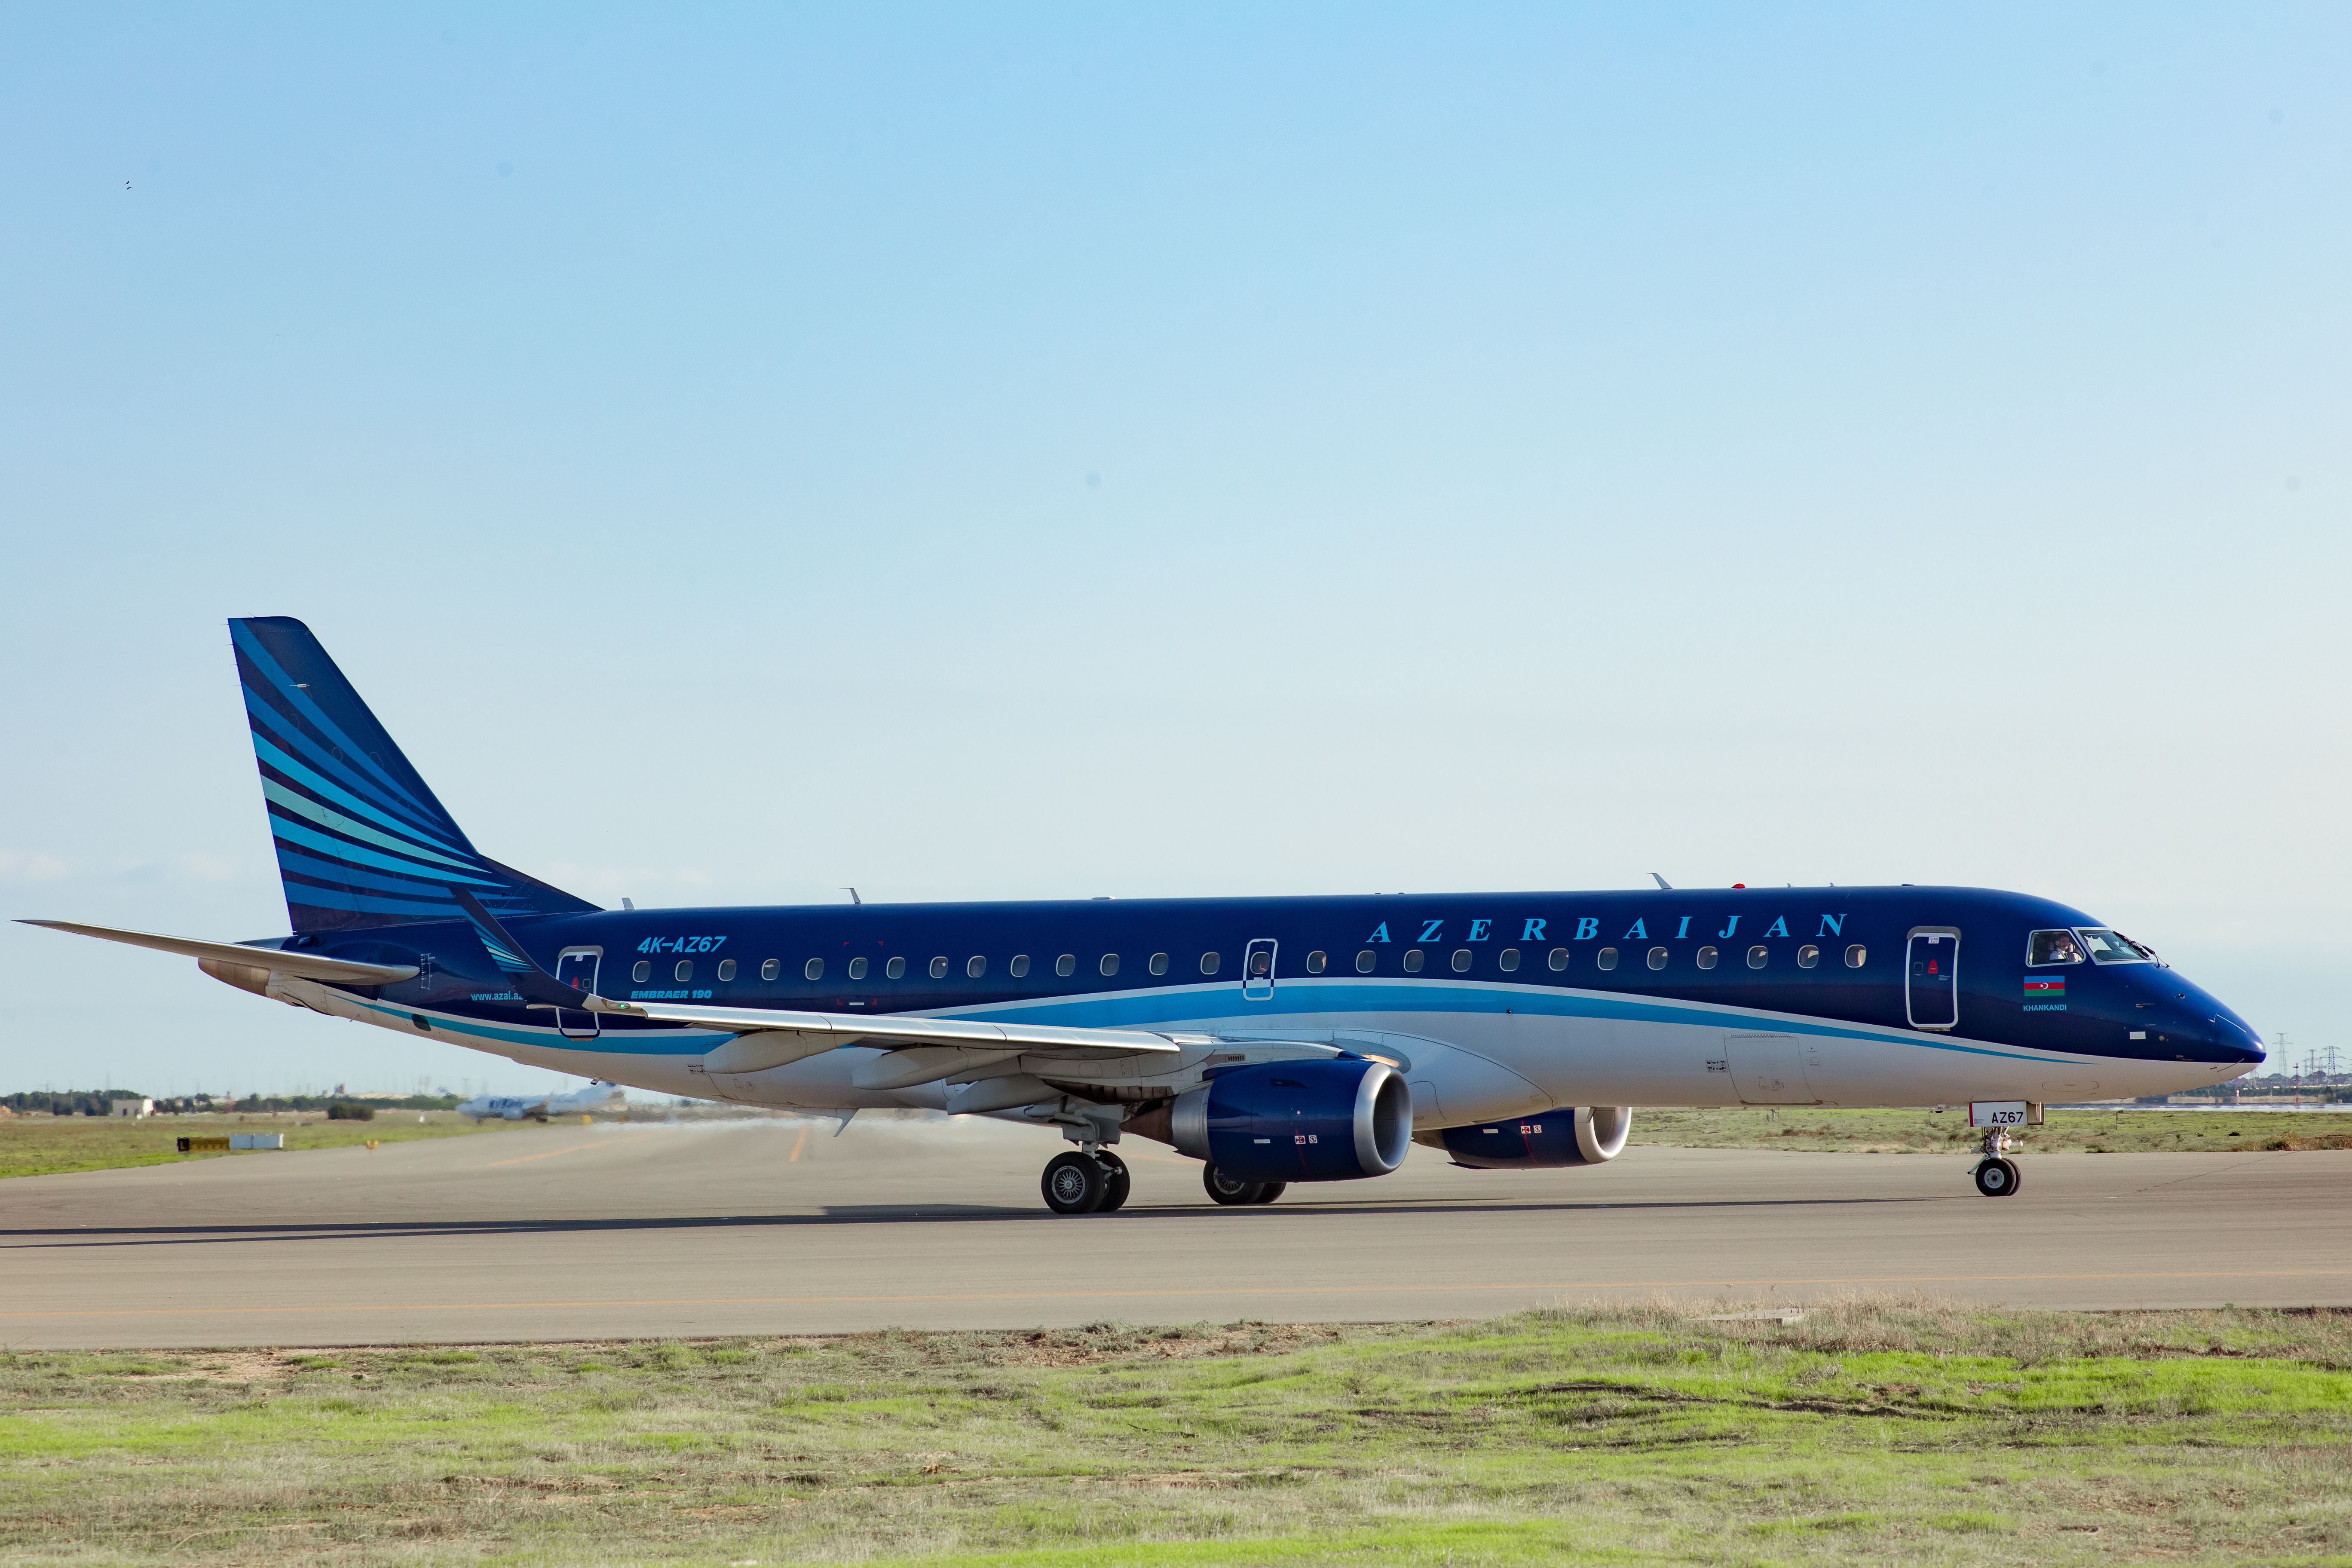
1330	1121
1584	1136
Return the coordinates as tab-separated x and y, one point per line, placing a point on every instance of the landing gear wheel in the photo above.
1229	1191
1115	1182
1996	1178
1272	1191
1074	1184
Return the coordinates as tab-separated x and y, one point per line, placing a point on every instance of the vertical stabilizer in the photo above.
361	839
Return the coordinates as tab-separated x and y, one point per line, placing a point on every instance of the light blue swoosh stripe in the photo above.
1292	1000
264	718
365	903
326	818
285	829
286	686
311	779
351	874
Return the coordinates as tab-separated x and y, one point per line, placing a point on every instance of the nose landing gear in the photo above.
1091	1183
1996	1174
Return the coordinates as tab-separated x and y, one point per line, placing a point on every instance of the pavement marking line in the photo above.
1979	1278
551	1153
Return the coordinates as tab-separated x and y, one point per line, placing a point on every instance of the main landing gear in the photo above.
1996	1174
1225	1190
1094	1182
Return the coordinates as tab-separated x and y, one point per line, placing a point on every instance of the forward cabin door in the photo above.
1257	970
577	969
1931	977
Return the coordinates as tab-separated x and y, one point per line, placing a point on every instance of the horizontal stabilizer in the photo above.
307	966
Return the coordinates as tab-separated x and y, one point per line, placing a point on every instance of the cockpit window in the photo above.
2114	947
2053	947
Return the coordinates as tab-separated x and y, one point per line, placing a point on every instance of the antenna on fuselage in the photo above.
855	900
1662	882
630	905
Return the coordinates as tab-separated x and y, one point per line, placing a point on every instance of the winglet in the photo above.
538	988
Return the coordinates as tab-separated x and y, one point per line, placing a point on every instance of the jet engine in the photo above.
1584	1136
1331	1120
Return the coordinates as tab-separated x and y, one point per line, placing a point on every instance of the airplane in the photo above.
606	1096
1276	1040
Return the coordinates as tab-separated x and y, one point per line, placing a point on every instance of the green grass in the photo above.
1878	1432
1908	1131
44	1146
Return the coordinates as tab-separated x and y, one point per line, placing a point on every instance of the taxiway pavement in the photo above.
778	1227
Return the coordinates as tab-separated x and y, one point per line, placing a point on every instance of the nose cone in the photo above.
2222	1034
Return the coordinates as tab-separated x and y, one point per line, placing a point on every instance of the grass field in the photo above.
1908	1131
1867	1432
40	1145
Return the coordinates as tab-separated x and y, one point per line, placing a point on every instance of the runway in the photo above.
778	1227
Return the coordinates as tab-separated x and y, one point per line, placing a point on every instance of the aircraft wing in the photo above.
308	965
888	1030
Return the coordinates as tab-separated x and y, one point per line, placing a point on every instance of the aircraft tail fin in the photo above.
362	841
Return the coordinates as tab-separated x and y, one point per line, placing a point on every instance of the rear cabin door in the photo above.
1769	1069
1257	970
1931	977
577	969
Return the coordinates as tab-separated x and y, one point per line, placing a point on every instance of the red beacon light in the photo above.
1740	884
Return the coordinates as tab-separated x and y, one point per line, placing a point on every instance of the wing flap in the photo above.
823	1030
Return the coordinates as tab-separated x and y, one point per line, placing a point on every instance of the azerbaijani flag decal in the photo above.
2045	988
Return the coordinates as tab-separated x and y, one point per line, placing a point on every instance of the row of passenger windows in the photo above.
1368	961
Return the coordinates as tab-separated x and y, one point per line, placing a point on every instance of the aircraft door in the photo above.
1257	970
577	968
1931	977
1769	1069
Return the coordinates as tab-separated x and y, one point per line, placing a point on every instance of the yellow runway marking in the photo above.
798	1144
1979	1278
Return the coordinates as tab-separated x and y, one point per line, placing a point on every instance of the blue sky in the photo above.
1003	452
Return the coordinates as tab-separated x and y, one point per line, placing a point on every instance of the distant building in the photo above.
132	1107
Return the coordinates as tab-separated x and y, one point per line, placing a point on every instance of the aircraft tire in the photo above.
1272	1191
1996	1178
1074	1184
1115	1182
1224	1189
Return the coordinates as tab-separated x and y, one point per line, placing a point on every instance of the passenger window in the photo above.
1109	964
1657	958
940	967
814	969
770	968
1316	962
1757	955
1067	965
1507	961
857	968
685	970
1019	967
1367	960
641	973
1158	964
726	969
1606	958
1558	959
1707	957
1808	955
976	966
1208	963
2053	947
895	970
1856	955
1461	960
1412	960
